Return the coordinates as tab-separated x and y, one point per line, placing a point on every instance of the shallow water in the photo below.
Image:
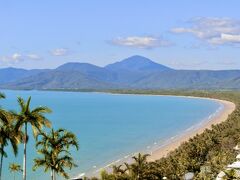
110	127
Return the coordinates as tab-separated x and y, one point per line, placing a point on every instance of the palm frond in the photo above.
21	103
42	109
54	149
2	96
4	116
27	105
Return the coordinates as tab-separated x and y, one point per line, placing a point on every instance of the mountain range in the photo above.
136	72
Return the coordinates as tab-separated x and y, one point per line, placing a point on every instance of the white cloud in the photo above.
59	52
215	31
17	57
145	42
11	59
33	56
225	38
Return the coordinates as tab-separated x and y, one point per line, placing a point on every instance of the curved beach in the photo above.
228	108
171	144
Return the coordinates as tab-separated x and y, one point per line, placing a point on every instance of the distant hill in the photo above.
135	72
137	64
13	74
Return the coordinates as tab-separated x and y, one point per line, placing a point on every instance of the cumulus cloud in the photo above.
145	42
215	31
11	59
59	52
225	38
17	57
33	56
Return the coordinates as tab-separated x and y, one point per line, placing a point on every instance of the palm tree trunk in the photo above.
1	163
51	174
54	178
25	155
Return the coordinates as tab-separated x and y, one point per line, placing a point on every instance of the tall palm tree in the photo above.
8	134
14	168
138	168
35	118
54	147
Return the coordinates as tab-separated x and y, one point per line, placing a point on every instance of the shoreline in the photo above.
221	116
217	117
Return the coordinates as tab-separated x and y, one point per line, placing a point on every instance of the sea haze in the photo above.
110	127
135	72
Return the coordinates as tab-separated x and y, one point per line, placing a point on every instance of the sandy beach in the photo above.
172	144
228	108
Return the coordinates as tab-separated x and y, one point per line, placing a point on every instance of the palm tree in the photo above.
2	119
8	135
55	150
138	168
14	168
35	118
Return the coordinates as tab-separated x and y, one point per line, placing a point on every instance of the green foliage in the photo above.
14	168
2	96
8	135
35	118
54	148
230	174
205	154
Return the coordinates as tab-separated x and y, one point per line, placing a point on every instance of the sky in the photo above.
182	34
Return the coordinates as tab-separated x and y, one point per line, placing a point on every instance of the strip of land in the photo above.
228	108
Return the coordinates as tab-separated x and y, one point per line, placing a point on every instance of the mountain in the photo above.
134	68
56	79
13	74
137	64
88	70
190	79
135	72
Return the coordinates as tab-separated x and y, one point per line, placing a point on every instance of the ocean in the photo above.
109	127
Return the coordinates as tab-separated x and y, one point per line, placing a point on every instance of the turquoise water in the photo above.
110	127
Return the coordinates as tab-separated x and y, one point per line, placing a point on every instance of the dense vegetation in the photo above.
53	146
205	155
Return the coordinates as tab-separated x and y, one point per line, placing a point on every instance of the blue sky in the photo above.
182	34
